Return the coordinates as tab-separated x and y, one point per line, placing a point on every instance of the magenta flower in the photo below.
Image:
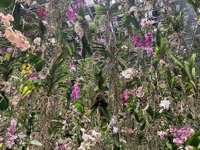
76	92
144	42
33	75
74	6
71	14
125	95
42	13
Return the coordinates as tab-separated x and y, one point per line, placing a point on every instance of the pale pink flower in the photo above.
6	19
161	134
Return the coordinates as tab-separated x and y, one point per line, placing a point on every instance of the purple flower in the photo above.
180	134
1	51
144	42
74	6
9	50
71	14
76	92
11	137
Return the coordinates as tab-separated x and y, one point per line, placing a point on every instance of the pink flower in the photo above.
76	92
161	134
101	41
180	134
71	14
177	141
1	138
9	50
145	22
144	42
149	50
125	95
42	13
11	137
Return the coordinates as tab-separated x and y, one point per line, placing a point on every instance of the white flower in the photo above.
113	121
115	129
37	41
164	104
129	73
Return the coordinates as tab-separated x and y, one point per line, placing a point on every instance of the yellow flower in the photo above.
7	57
26	69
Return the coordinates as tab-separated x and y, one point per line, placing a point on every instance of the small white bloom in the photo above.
113	121
37	41
129	73
115	129
164	104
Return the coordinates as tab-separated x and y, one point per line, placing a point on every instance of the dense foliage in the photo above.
72	83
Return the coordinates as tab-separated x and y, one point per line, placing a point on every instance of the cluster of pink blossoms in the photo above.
125	95
6	19
145	22
180	135
11	137
144	42
17	39
76	92
72	13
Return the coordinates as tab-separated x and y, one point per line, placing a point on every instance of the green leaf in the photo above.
192	3
87	49
104	124
136	117
5	3
35	142
39	65
158	38
41	29
142	124
177	61
80	108
114	8
187	69
131	21
194	74
96	88
100	9
17	16
4	103
194	140
82	10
